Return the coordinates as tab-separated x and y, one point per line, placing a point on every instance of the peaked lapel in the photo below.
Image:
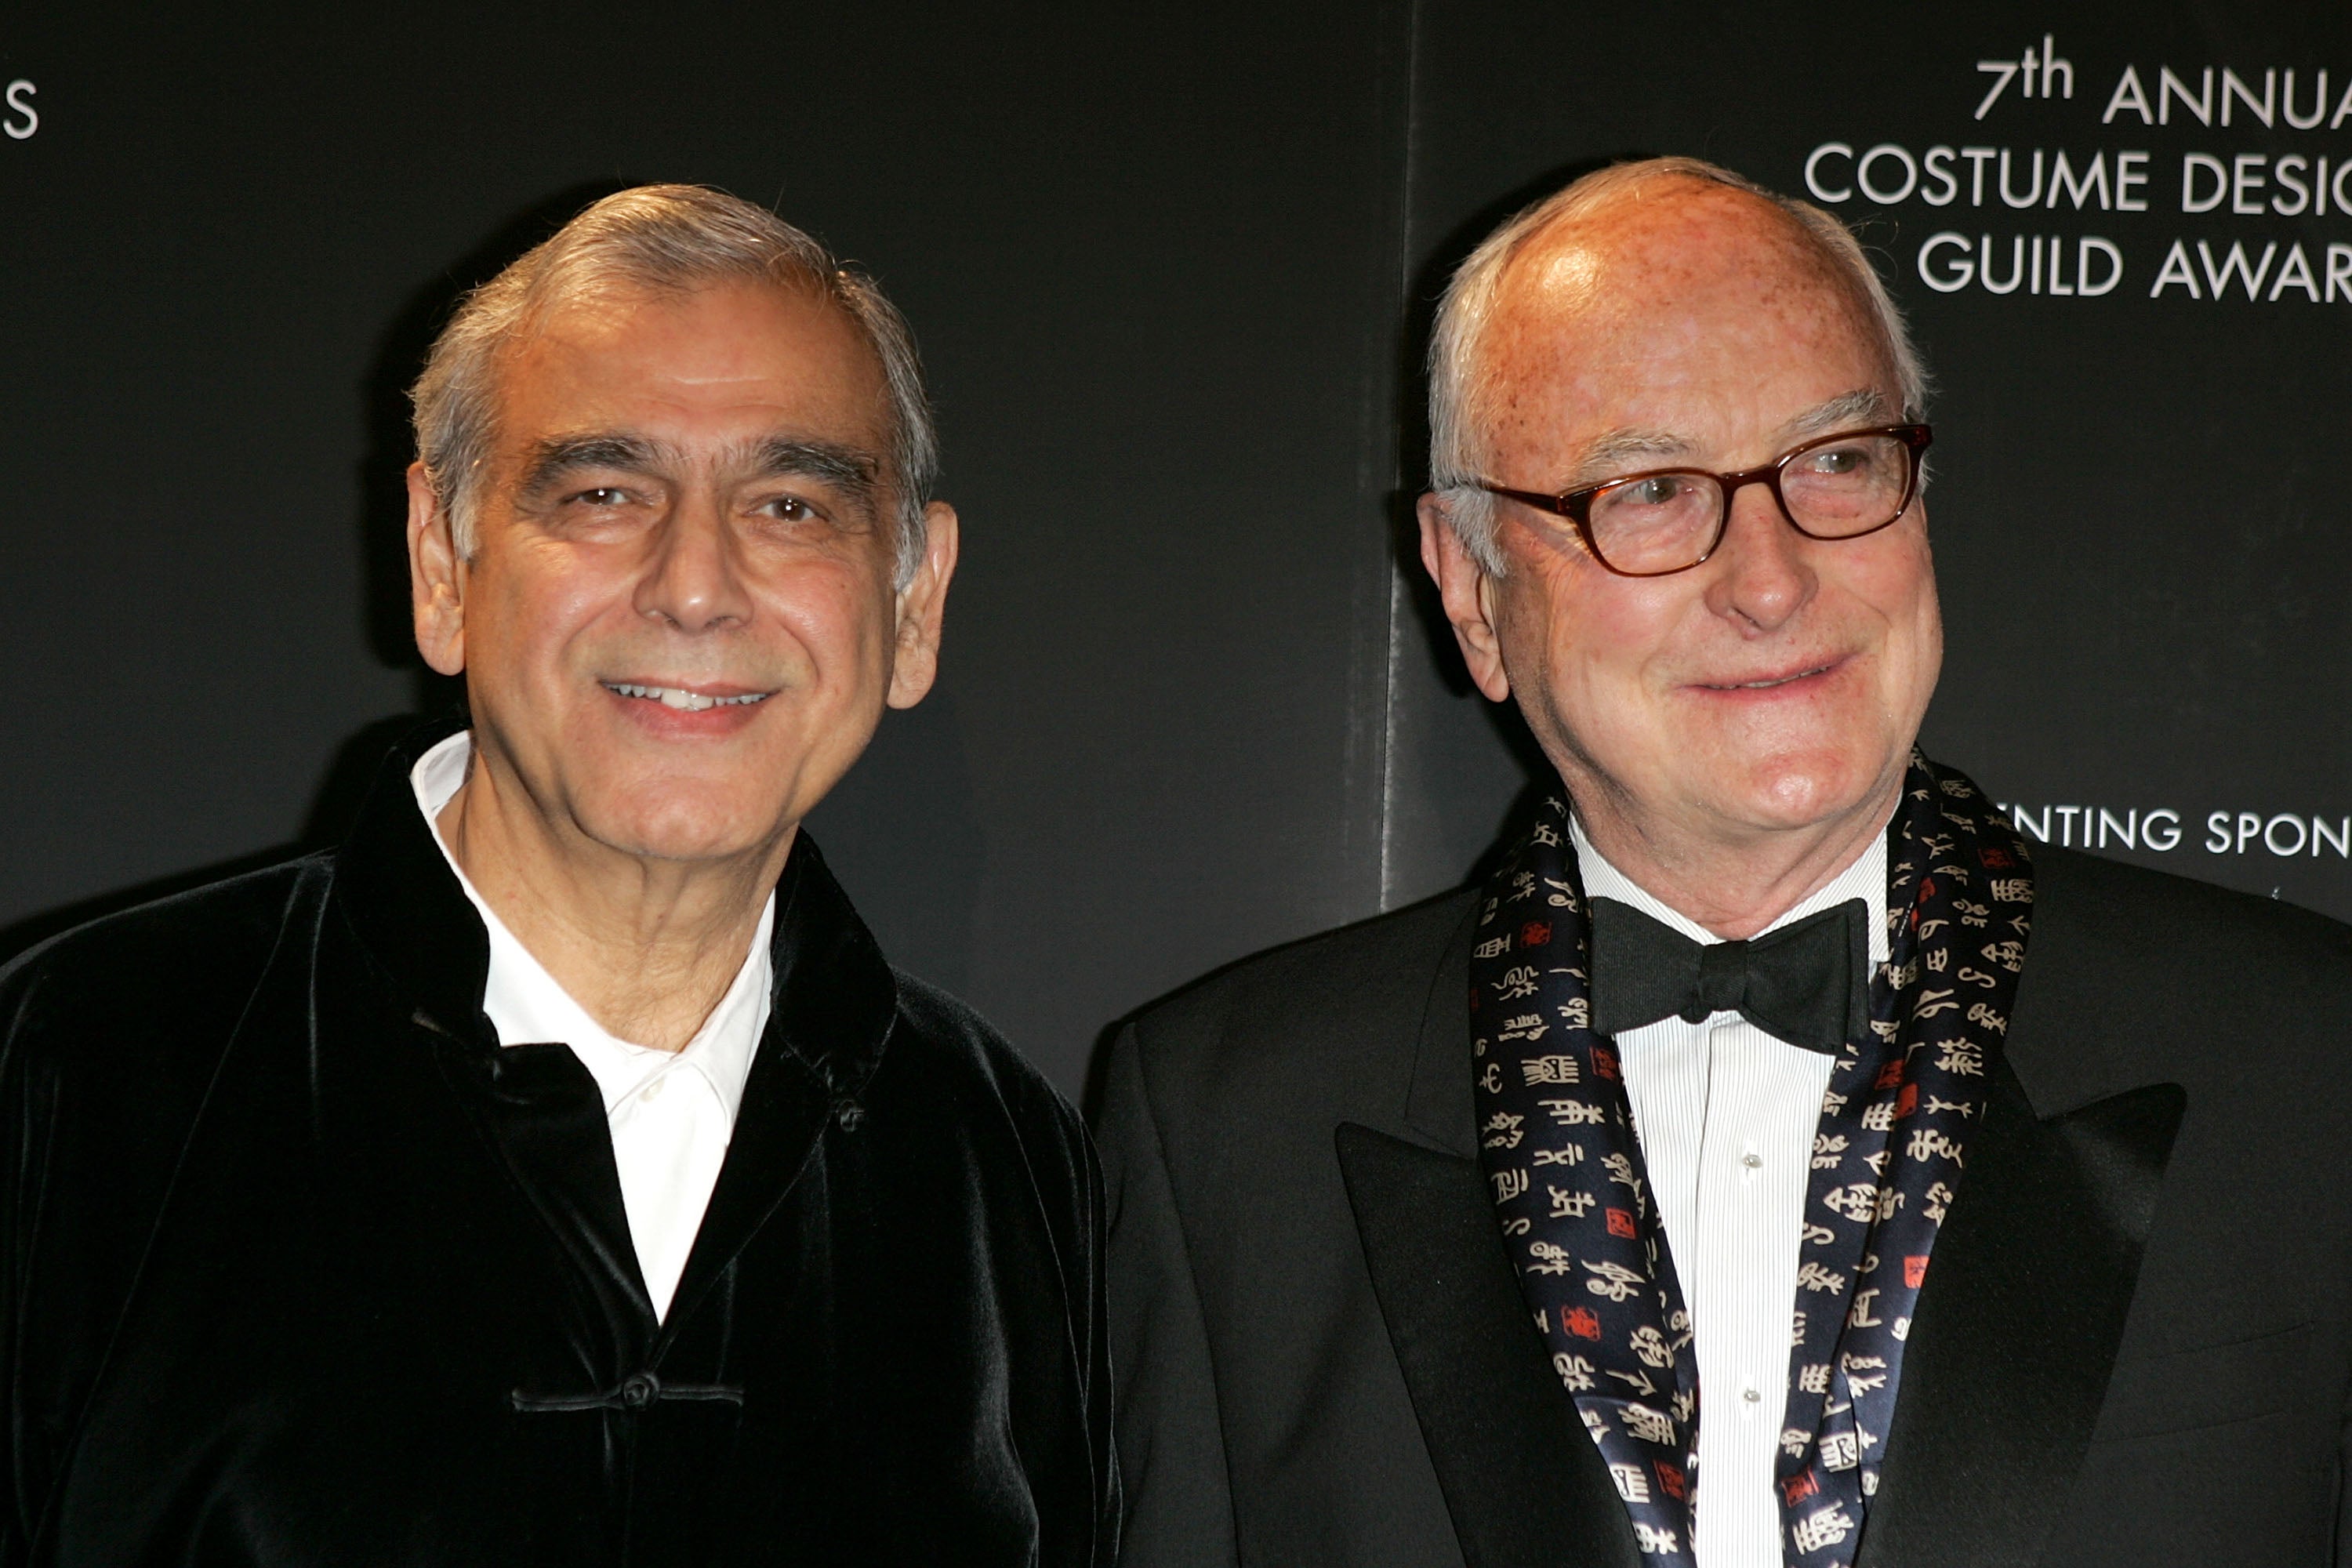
2016	1328
1523	1482
2013	1337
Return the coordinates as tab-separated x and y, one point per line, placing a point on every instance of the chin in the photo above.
1807	787
673	824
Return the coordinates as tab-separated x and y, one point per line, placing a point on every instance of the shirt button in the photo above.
652	1091
1751	1395
1754	1162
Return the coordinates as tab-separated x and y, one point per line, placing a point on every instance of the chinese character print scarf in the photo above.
1559	1147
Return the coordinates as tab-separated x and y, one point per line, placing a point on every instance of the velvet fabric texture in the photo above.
303	1266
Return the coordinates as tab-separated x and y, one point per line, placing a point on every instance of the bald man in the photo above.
1774	1162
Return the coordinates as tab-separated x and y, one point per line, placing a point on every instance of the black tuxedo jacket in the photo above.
2132	1350
299	1266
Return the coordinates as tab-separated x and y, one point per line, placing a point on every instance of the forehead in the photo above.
1695	312
720	362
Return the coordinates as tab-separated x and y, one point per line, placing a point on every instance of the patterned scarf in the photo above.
1558	1144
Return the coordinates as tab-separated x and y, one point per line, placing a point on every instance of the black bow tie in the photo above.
1807	983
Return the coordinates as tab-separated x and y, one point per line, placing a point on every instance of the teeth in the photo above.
685	701
1765	685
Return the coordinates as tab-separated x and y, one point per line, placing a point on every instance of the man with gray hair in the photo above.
1775	1164
557	1171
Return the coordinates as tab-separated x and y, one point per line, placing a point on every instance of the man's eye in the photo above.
601	496
790	508
1658	491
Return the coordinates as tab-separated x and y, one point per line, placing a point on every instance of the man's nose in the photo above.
1762	571
693	580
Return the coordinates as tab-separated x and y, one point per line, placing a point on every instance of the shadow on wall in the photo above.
903	834
1451	688
1435	708
380	515
383	510
333	805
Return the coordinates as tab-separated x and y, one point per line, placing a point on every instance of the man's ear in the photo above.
436	578
921	606
1469	594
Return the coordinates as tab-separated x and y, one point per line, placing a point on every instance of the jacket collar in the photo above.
1524	1484
2015	1332
834	1002
834	995
2016	1329
406	906
2005	1369
1439	1106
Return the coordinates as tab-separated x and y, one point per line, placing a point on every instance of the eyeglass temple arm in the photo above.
1557	505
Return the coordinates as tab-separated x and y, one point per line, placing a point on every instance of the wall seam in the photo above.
1397	587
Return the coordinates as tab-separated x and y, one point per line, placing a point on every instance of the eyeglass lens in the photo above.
1662	522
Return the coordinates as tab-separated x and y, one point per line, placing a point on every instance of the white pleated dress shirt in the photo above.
672	1113
1727	1115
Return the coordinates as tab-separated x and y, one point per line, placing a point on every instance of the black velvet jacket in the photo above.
303	1267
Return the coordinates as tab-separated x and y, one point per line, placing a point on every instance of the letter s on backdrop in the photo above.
20	93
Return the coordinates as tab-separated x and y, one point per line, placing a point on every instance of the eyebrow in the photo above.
552	458
852	469
1605	456
1862	406
847	467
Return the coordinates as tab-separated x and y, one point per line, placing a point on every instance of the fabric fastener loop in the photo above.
635	1392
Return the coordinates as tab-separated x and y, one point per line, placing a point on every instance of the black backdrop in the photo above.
1169	268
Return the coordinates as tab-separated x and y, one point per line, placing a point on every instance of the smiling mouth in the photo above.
679	698
1767	684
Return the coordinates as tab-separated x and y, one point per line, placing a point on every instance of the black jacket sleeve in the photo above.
1110	1502
1171	1443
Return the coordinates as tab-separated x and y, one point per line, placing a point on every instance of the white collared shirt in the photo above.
1727	1115
672	1113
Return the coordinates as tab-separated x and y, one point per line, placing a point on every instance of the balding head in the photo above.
1652	367
1623	232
